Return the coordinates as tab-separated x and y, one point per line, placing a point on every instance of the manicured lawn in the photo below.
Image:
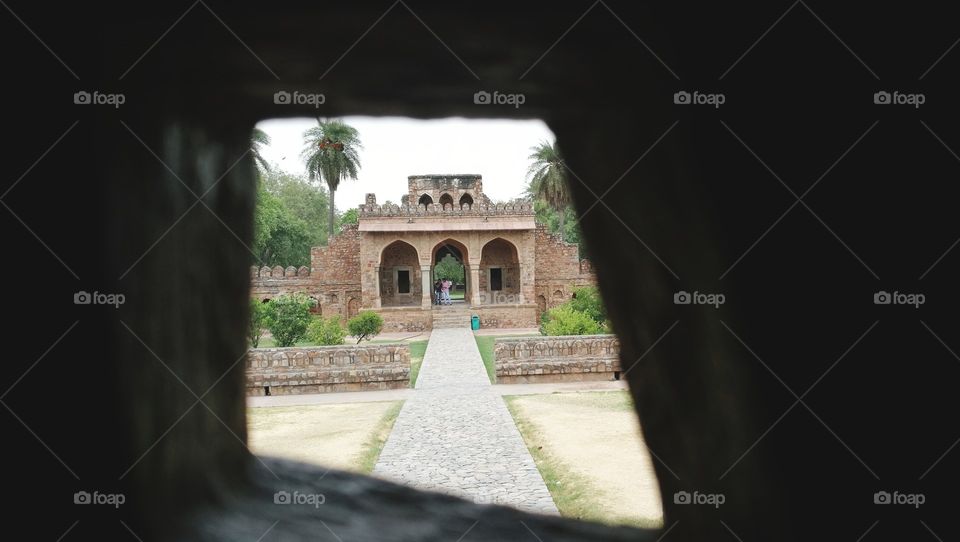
417	350
485	344
589	450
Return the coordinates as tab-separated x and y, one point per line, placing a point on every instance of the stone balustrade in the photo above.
321	369
571	358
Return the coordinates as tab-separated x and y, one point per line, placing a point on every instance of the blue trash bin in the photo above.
475	322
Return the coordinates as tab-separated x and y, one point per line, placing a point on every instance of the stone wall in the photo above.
506	316
267	283
403	319
559	270
574	358
321	369
337	268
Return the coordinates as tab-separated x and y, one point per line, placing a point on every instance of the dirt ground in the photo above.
596	437
337	435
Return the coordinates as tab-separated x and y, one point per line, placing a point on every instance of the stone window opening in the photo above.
466	201
425	200
495	279
403	281
445	200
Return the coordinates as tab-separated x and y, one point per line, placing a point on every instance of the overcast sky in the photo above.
395	147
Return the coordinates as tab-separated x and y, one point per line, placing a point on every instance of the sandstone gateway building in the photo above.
514	269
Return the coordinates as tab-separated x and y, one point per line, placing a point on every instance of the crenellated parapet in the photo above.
279	272
522	208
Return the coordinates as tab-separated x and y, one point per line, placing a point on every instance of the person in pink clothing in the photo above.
445	291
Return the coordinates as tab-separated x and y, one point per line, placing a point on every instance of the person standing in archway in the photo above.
436	292
445	290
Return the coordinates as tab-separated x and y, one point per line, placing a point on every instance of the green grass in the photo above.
374	444
417	350
571	492
485	345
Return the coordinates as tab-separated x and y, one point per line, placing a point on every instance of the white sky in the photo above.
395	147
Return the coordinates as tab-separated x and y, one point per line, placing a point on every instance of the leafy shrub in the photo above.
326	332
587	300
564	320
287	318
257	322
365	325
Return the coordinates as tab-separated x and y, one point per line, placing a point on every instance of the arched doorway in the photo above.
466	201
446	200
499	272
425	200
449	261
399	279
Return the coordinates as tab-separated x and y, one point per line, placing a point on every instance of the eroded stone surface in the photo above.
456	436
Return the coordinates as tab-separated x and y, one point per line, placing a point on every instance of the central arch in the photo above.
445	201
451	248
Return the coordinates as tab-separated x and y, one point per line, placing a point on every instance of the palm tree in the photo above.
548	179
258	140
330	152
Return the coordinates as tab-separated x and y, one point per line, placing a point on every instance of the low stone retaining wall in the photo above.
506	316
321	369
405	319
572	358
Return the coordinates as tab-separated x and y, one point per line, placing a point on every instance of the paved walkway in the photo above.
456	436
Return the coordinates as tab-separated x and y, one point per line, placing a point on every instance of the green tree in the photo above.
326	332
564	320
287	318
257	322
258	140
365	325
304	200
280	238
350	216
548	179
449	267
331	153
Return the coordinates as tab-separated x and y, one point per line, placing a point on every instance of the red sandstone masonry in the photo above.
321	369
572	358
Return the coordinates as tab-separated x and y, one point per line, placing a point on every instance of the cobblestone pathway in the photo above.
456	436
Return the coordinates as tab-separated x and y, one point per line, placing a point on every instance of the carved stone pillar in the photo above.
427	287
474	270
376	288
